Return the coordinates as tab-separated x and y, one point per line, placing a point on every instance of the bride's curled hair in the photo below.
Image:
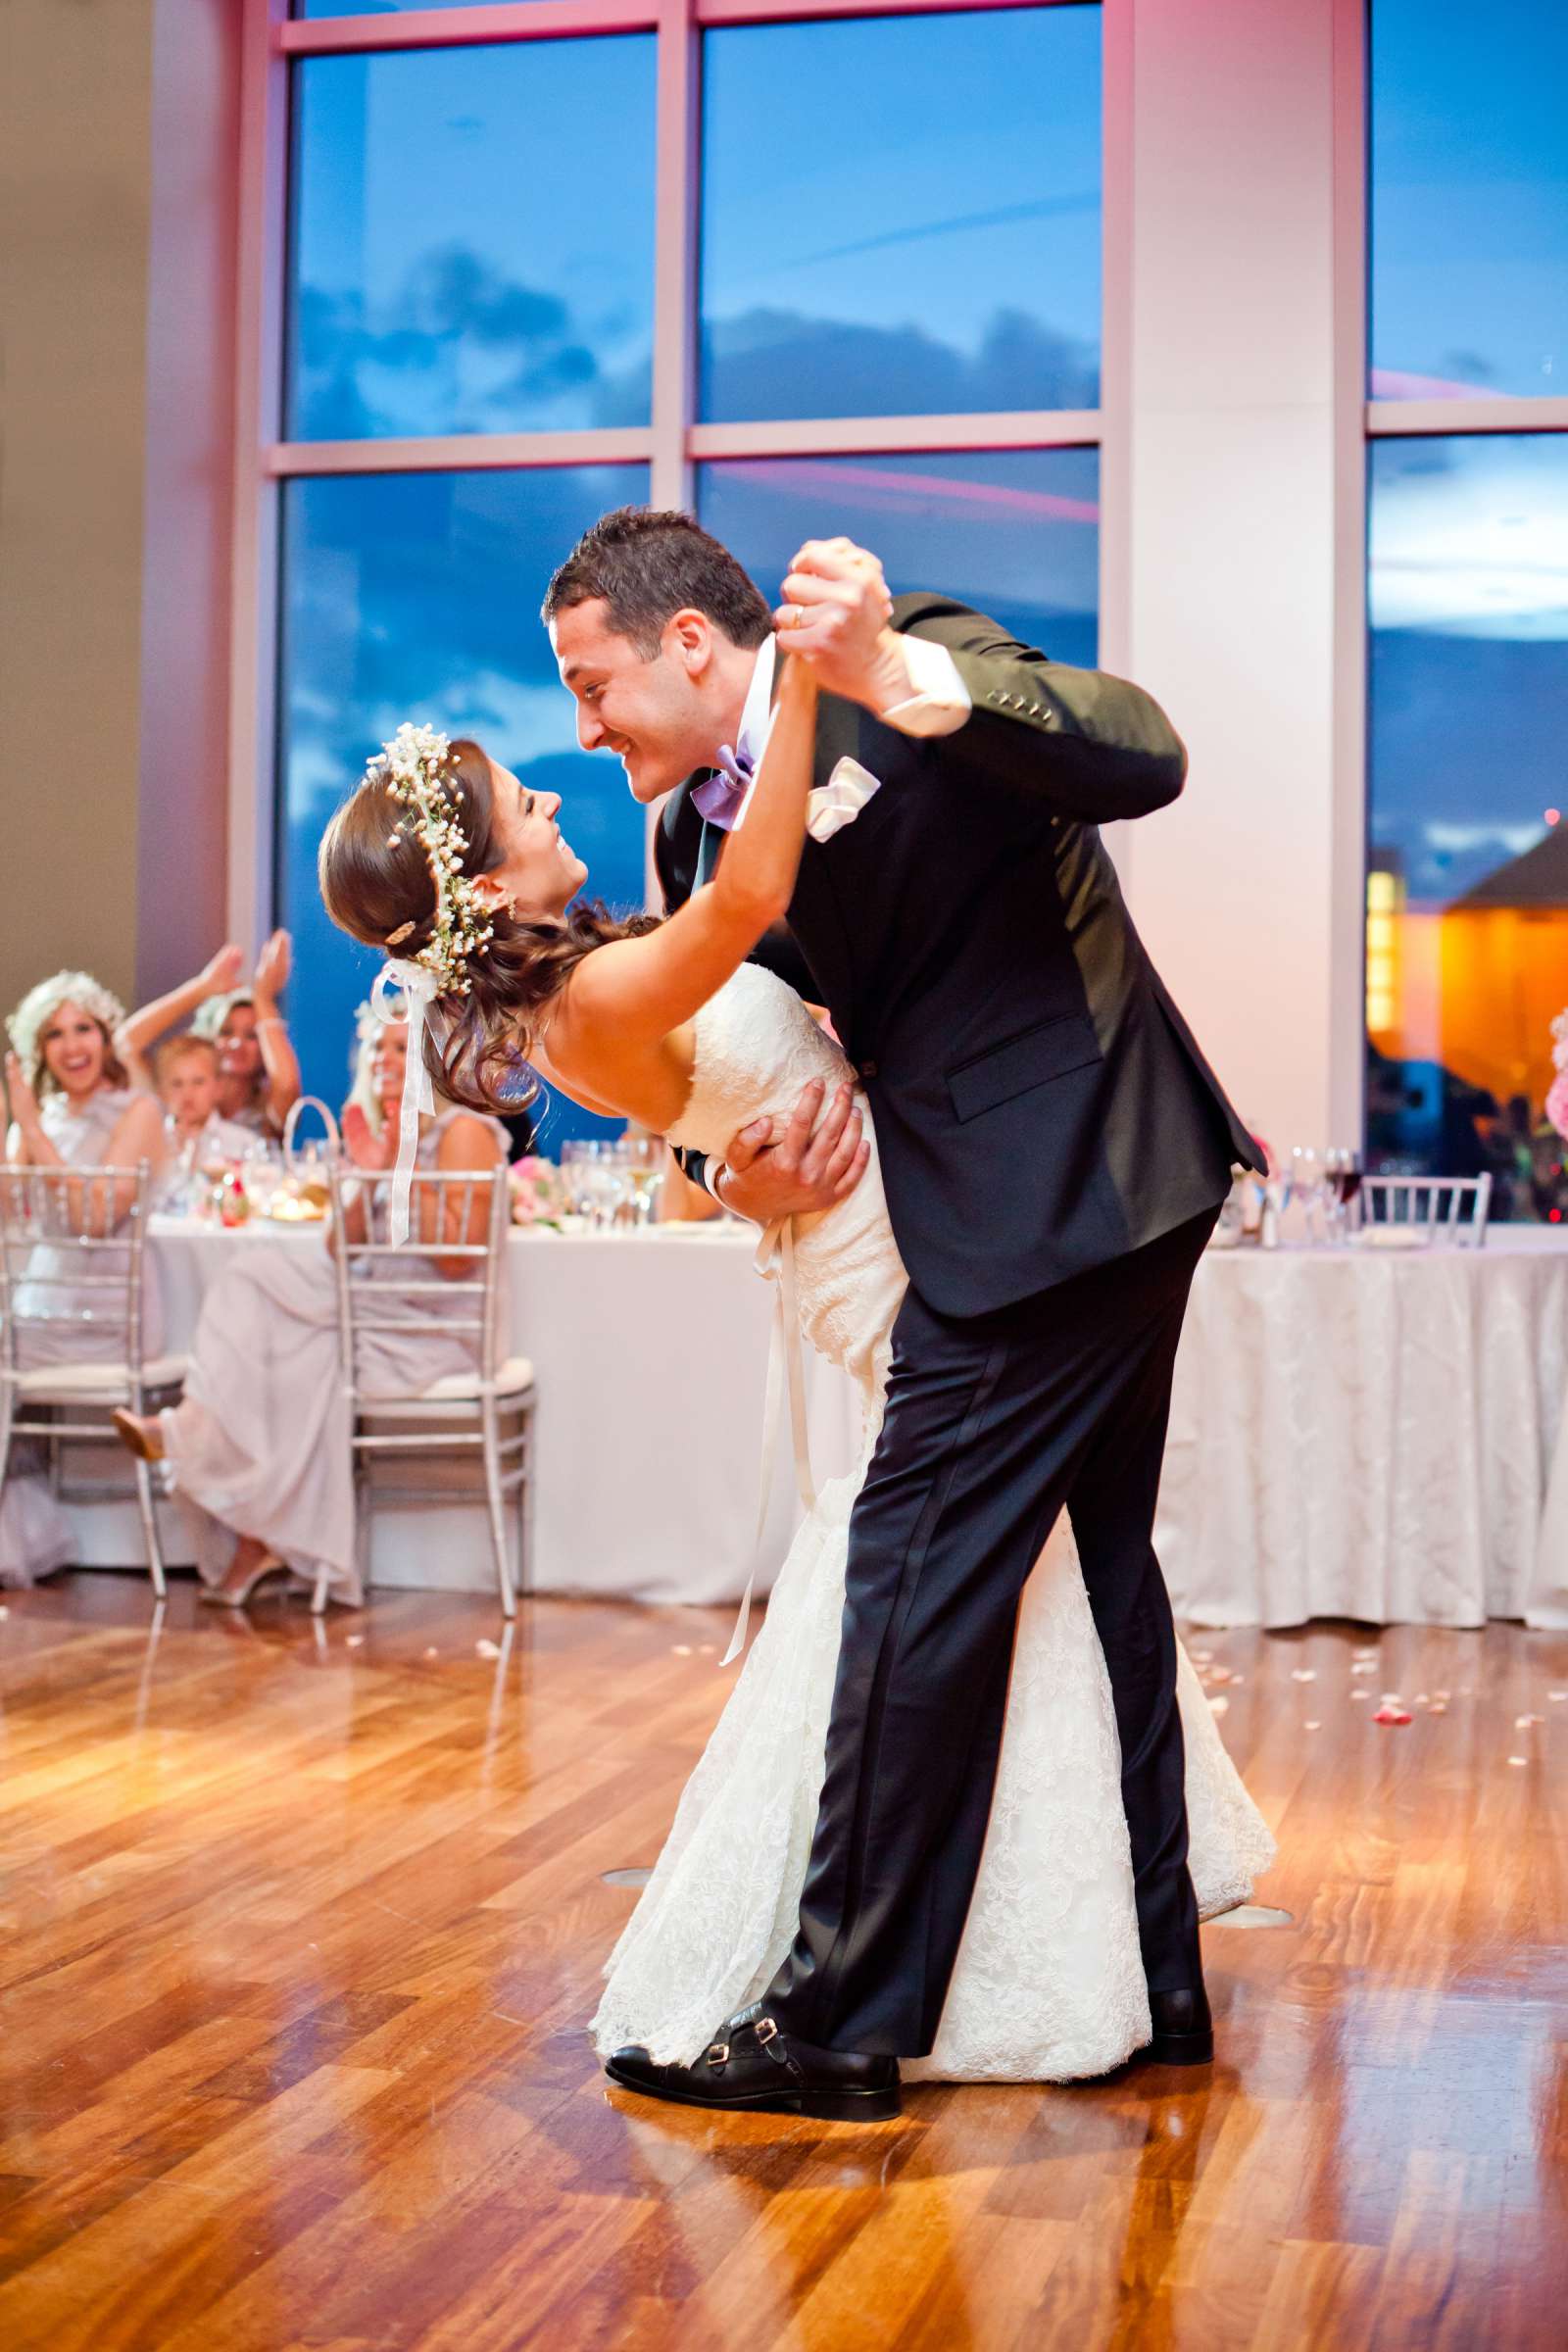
377	884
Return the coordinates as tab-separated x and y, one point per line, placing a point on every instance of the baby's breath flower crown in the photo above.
40	1006
414	768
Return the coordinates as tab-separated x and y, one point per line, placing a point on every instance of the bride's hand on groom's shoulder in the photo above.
805	1164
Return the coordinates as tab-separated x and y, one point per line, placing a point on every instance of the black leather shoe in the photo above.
752	2065
1183	2031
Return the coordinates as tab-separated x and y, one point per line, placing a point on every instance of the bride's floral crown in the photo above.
414	768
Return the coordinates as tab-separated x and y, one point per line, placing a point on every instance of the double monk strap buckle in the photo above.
717	2055
766	2031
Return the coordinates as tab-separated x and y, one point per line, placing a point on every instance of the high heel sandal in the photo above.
236	1596
141	1435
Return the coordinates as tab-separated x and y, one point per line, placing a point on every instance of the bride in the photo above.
445	855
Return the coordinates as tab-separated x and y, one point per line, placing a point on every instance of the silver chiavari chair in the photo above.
73	1256
487	1412
1449	1208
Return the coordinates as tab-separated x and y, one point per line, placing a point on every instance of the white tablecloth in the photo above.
1363	1433
1354	1433
649	1353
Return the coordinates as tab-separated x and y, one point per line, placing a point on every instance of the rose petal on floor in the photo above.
1392	1715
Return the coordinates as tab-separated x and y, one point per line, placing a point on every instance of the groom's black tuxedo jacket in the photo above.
1041	1105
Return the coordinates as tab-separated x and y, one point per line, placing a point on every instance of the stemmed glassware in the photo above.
642	1160
1308	1187
1343	1175
595	1184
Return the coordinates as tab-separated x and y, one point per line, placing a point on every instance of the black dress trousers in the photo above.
994	1423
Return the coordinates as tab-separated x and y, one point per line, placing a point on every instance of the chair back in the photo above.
382	1289
71	1258
1450	1208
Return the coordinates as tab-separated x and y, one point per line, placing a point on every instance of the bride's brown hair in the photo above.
377	886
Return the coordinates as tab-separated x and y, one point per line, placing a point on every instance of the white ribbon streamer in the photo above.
785	1370
417	989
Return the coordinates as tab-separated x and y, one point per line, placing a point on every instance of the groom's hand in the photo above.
802	1166
835	615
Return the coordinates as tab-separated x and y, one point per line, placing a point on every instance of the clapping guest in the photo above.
71	1108
260	1443
258	1074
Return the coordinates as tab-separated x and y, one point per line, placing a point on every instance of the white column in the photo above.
1233	570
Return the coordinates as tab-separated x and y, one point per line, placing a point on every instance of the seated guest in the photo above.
259	1442
195	1131
71	1108
258	1076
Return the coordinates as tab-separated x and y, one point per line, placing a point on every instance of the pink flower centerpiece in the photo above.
1557	1091
535	1190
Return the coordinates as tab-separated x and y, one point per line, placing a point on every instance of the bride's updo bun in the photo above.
376	885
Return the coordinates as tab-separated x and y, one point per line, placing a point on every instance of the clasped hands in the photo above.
835	618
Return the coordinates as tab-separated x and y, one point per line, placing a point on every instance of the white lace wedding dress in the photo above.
1049	1984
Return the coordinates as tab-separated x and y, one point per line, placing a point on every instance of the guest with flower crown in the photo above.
71	1108
258	1073
259	1444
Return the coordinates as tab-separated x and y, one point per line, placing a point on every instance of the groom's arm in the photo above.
1091	747
1096	748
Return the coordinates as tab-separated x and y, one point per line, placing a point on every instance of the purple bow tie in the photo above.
718	801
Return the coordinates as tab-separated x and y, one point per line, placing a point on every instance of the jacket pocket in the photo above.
1035	1058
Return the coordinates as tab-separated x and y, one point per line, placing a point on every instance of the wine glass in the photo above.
1306	1183
1343	1168
643	1159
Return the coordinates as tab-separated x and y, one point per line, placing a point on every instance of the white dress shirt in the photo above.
937	704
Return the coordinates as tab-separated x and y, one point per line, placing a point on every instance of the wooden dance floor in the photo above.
299	1932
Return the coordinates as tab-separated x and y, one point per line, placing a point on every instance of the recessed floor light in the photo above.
1253	1915
625	1878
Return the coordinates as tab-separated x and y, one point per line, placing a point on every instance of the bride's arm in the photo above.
638	990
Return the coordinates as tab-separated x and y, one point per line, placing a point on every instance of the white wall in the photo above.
1232	551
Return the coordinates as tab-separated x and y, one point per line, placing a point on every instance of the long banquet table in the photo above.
649	1356
1354	1433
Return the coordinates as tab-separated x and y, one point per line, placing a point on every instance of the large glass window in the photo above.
902	215
1467	940
891	215
1469	198
1016	534
416	596
1467	875
472	240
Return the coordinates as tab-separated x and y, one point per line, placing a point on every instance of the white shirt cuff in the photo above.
940	701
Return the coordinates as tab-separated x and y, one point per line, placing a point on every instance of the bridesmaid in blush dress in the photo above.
260	1442
71	1106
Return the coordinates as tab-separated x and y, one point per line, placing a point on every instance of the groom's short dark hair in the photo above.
648	563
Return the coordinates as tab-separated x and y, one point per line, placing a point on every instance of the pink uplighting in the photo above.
807	478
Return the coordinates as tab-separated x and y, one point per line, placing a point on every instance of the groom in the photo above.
1055	1150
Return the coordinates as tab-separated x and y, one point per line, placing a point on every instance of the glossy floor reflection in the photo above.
299	1927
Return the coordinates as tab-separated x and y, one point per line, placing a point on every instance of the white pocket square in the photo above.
838	803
